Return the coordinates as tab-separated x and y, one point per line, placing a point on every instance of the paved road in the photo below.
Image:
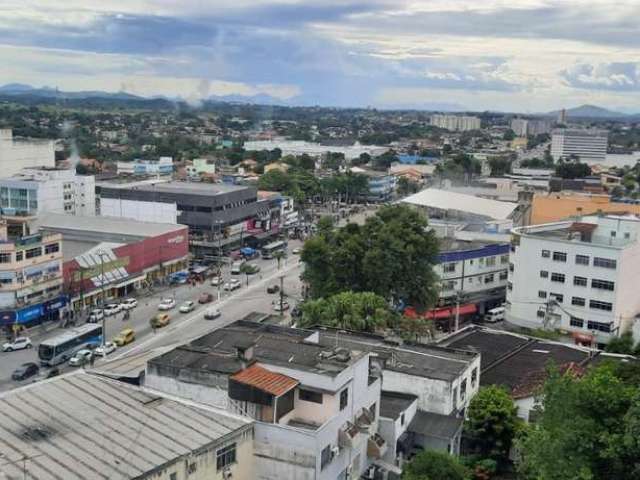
233	305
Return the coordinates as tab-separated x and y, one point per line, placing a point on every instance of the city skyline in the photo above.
527	55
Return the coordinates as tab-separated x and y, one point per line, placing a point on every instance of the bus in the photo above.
270	249
62	347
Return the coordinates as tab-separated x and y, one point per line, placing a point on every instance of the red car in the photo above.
205	297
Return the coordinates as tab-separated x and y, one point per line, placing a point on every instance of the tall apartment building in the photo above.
579	276
459	123
523	127
18	153
30	278
588	145
34	191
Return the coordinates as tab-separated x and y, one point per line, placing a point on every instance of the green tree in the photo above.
499	166
571	169
622	344
274	180
491	423
406	186
431	465
509	135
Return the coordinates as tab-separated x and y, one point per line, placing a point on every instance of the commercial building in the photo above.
114	255
18	153
201	166
316	150
86	427
162	166
523	127
577	276
381	185
589	146
459	123
34	191
31	279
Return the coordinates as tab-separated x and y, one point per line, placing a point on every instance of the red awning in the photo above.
443	312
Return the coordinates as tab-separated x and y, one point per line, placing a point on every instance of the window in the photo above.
504	259
402	419
544	274
325	457
582	260
559	257
33	252
491	261
604	262
463	390
598	305
5	258
557	277
449	267
309	396
558	297
51	248
576	322
602	284
546	253
344	398
455	396
474	377
540	313
504	275
488	278
19	256
511	267
580	281
542	294
578	301
372	410
510	286
173	476
602	327
226	456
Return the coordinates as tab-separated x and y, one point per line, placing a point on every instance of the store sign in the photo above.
30	313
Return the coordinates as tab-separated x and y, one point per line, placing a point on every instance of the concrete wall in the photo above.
139	210
213	394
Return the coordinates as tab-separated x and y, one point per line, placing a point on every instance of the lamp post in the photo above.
102	254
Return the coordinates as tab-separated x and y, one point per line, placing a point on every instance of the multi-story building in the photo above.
523	127
162	166
30	278
588	146
34	191
578	276
17	153
461	123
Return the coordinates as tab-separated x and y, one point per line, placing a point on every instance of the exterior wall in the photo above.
17	154
392	429
525	405
588	145
212	393
456	122
139	210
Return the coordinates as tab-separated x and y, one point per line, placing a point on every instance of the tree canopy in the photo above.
571	169
392	255
431	465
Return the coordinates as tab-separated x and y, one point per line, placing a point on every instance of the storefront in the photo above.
35	314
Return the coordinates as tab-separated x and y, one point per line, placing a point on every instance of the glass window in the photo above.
540	313
449	267
510	286
557	277
544	274
546	253
504	275
598	305
19	256
582	260
559	256
558	297
309	396
504	259
474	377
51	248
602	327
344	398
491	261
576	322
33	252
602	284
488	278
542	294
580	281
578	301
604	262
226	456
5	257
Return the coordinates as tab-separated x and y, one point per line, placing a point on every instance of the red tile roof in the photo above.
258	377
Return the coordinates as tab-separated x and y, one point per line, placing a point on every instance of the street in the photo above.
234	305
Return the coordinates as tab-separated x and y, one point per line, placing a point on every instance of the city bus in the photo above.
268	250
62	347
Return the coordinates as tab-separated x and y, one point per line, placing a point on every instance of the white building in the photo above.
16	154
299	147
578	276
588	145
33	191
162	166
523	127
459	123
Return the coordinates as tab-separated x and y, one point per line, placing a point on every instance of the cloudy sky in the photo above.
511	55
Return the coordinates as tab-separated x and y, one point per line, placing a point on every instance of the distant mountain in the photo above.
19	89
590	111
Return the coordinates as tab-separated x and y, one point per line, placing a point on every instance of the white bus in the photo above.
62	347
268	250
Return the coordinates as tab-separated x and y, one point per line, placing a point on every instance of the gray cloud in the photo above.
619	76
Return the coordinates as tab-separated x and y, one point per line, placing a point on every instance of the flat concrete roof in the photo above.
192	188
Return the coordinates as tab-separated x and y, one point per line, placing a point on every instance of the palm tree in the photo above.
279	256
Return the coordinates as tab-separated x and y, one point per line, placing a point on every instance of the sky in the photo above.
515	56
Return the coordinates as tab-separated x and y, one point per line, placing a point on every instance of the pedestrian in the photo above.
92	360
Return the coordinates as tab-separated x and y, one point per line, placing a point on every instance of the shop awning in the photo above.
443	312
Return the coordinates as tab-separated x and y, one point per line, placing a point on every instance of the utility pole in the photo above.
281	295
101	254
457	323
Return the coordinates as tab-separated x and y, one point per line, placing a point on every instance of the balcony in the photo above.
376	446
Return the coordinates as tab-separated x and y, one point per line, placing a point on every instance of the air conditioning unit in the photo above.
335	451
226	473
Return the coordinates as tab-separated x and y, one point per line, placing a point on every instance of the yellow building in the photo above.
553	207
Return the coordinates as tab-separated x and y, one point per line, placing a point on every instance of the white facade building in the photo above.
587	145
299	147
523	127
461	123
34	191
578	276
16	154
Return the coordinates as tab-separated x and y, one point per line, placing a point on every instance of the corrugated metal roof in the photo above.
258	377
447	200
83	427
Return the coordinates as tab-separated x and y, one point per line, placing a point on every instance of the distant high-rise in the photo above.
459	123
16	154
587	145
522	127
562	116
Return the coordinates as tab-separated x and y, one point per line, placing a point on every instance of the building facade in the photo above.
588	146
162	166
459	123
523	127
16	154
577	276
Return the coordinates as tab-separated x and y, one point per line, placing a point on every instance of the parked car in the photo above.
129	304
44	375
205	297
96	315
296	312
103	351
296	251
166	304
277	306
212	313
20	343
112	309
187	307
495	315
124	337
160	320
236	267
25	371
232	284
273	289
216	281
81	357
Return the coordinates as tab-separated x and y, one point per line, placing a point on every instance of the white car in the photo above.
80	358
96	315
20	343
129	303
216	281
103	351
112	309
212	313
166	304
187	307
276	306
232	284
296	251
